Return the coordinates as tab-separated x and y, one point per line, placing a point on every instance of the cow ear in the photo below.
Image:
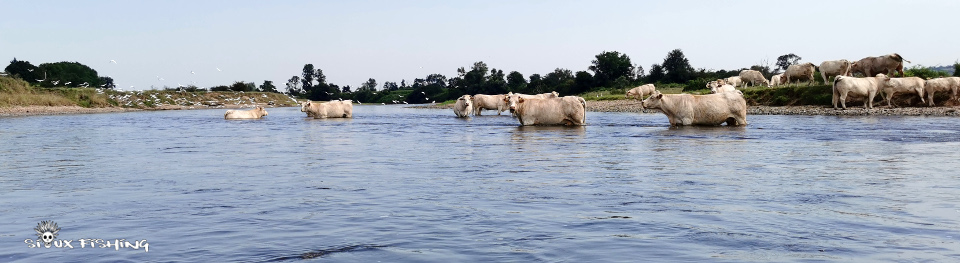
520	99
660	96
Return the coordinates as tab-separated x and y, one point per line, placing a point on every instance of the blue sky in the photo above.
352	41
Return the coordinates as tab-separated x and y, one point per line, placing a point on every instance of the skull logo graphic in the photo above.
47	231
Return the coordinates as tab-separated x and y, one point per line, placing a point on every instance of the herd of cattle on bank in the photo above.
725	104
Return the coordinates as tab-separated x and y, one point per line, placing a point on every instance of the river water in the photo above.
395	184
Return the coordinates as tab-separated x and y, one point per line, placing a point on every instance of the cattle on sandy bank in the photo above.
799	72
753	77
868	87
886	64
832	68
641	91
892	86
933	86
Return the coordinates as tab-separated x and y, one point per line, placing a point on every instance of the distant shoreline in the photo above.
592	106
878	110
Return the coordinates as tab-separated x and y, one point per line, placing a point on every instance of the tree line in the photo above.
608	70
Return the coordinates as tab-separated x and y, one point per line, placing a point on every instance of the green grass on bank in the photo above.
16	92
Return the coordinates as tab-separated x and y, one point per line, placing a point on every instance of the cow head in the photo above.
304	105
653	101
512	101
261	110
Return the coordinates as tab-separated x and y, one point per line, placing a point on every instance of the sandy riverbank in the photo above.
16	111
634	106
55	110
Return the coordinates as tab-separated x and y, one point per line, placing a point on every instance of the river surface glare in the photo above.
396	184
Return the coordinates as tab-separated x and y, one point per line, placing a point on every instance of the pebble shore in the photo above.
56	110
634	106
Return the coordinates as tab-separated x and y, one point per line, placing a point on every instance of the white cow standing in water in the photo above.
255	113
330	109
463	107
712	109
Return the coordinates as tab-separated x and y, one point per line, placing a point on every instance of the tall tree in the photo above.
370	85
516	82
610	65
535	85
267	86
583	82
656	73
956	69
293	87
786	60
307	77
677	68
23	69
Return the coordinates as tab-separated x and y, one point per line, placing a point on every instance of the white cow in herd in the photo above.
799	72
511	98
330	109
734	81
832	68
868	87
719	87
712	109
489	102
776	80
463	107
949	84
641	91
567	110
892	86
753	77
255	113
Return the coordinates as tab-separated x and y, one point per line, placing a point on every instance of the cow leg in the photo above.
889	99
870	97
687	121
843	100
930	97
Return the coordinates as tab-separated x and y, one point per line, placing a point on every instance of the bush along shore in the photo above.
791	100
18	98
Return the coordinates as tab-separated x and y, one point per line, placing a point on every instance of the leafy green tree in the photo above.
307	77
24	70
106	83
370	85
956	69
516	82
243	86
346	89
495	83
293	87
390	86
536	85
267	86
677	68
657	73
610	65
785	61
583	82
559	80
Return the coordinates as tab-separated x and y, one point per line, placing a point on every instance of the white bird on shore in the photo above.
383	103
68	83
55	82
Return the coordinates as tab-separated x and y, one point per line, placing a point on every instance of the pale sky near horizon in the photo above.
352	41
